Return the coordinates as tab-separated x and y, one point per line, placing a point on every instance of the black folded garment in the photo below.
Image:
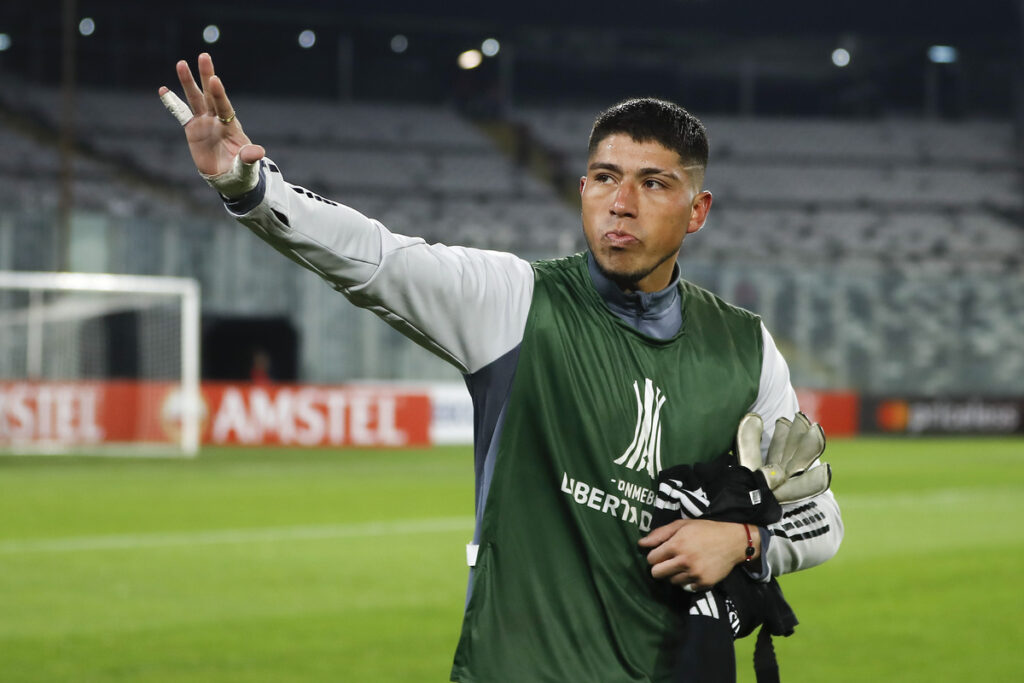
723	491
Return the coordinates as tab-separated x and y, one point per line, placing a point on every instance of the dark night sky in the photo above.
563	50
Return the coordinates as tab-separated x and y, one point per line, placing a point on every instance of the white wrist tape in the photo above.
241	178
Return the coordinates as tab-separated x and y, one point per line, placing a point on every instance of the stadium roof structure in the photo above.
787	57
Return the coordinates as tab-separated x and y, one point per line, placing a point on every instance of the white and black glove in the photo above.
794	448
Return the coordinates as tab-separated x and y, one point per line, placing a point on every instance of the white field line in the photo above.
941	497
225	536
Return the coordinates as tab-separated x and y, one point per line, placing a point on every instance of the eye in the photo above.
603	178
652	184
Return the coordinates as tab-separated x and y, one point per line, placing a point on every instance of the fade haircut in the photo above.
647	119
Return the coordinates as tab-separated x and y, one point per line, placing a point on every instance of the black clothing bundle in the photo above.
721	490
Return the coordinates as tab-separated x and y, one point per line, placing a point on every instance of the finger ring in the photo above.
228	119
690	588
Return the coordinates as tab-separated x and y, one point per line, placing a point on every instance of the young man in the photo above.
589	375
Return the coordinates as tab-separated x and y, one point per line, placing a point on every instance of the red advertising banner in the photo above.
837	412
80	414
86	413
305	415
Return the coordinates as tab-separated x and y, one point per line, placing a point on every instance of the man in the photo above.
589	375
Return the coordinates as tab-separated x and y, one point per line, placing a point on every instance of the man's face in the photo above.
639	202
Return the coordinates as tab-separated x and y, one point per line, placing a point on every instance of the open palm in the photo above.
212	142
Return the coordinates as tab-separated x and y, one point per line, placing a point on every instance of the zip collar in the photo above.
656	314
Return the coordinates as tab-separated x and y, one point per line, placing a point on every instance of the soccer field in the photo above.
316	565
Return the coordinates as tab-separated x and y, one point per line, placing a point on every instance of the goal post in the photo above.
99	363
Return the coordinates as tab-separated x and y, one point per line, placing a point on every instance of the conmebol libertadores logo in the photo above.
644	452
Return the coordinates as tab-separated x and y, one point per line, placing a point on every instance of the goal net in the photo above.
98	363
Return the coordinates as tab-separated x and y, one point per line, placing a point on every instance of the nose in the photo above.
625	201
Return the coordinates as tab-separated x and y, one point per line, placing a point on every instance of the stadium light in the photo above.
5	42
87	26
211	34
943	54
470	59
490	47
399	44
307	39
841	57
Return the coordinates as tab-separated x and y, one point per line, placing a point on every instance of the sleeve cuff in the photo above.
763	572
245	203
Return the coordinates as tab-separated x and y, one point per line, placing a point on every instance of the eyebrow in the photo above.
650	170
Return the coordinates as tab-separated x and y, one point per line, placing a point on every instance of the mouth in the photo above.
617	238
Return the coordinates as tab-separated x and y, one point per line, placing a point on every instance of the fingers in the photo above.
205	76
174	105
210	99
218	97
192	92
661	534
679	574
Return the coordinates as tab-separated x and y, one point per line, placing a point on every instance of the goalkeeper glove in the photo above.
794	448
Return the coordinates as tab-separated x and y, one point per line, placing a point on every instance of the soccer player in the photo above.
589	375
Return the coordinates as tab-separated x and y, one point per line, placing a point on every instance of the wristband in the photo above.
749	552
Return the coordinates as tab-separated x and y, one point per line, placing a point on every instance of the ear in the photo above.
583	183
699	211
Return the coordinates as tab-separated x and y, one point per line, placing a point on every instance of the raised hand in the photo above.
215	136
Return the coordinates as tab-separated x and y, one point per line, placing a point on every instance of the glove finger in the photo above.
801	425
777	447
748	441
807	485
809	449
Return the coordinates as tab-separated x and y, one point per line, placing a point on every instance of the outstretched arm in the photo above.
467	306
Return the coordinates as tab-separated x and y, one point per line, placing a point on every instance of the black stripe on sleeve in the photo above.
814	533
800	510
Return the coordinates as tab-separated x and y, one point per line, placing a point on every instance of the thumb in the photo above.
250	154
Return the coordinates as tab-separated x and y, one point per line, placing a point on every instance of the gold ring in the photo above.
228	119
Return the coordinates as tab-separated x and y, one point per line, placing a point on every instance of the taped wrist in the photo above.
235	182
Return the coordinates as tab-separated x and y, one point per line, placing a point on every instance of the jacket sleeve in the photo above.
810	531
467	306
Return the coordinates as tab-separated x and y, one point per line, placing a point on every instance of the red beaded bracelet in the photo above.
750	544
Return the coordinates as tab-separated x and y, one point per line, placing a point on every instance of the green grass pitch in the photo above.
315	565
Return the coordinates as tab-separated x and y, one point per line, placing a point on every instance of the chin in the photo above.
625	274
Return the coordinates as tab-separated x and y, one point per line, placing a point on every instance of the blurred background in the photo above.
865	162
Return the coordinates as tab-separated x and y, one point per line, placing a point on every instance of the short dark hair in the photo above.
648	119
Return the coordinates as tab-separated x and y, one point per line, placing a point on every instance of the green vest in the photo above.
561	592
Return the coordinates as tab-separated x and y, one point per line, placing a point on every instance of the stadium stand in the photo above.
895	245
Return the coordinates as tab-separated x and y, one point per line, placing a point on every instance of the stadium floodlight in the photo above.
87	26
490	47
5	42
470	59
307	39
943	54
399	44
99	363
211	34
841	57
